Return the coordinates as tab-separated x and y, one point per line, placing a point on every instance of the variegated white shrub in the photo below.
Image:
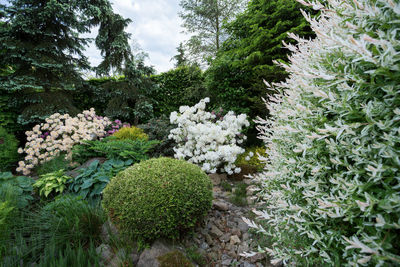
331	184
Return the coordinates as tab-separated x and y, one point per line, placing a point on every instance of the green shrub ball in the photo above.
158	198
8	150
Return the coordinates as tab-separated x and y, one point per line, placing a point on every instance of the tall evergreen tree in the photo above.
180	58
42	44
235	78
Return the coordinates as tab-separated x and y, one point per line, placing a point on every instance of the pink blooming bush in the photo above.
59	133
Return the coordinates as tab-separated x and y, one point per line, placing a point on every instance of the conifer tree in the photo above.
41	42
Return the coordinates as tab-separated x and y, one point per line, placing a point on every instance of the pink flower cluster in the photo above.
115	126
59	133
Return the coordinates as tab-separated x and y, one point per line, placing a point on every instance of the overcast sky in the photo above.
155	26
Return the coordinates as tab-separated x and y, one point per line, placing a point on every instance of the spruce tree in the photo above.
41	42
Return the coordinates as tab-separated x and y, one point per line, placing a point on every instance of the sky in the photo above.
156	28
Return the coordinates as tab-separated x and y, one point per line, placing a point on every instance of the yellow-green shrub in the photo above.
250	157
161	197
131	133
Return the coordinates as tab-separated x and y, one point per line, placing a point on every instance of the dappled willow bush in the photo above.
332	180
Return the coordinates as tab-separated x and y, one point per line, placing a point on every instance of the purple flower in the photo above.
117	121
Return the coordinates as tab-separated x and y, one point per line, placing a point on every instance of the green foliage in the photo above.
92	180
112	148
54	182
173	259
332	176
203	20
125	97
53	165
63	226
158	129
235	77
17	190
131	133
70	256
156	198
239	195
8	150
82	152
194	255
254	160
180	58
178	87
5	212
41	43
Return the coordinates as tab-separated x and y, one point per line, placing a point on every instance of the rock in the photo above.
105	252
149	256
225	238
215	231
234	240
242	225
215	178
220	205
204	245
225	260
248	264
108	231
246	237
209	240
236	231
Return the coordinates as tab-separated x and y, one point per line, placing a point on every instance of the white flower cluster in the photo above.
58	134
207	141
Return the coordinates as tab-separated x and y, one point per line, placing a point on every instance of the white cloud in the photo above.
155	27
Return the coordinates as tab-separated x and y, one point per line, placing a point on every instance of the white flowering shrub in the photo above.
59	134
207	141
331	184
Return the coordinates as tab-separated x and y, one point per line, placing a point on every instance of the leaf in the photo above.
86	184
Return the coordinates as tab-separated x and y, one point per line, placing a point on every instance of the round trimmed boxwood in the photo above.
8	150
160	197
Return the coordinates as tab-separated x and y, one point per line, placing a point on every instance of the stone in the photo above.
220	205
215	178
225	260
108	231
105	252
236	231
215	231
225	238
248	264
234	240
204	245
242	225
149	256
209	240
246	237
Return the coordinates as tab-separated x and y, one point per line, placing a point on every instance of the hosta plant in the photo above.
331	184
202	139
54	182
91	182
